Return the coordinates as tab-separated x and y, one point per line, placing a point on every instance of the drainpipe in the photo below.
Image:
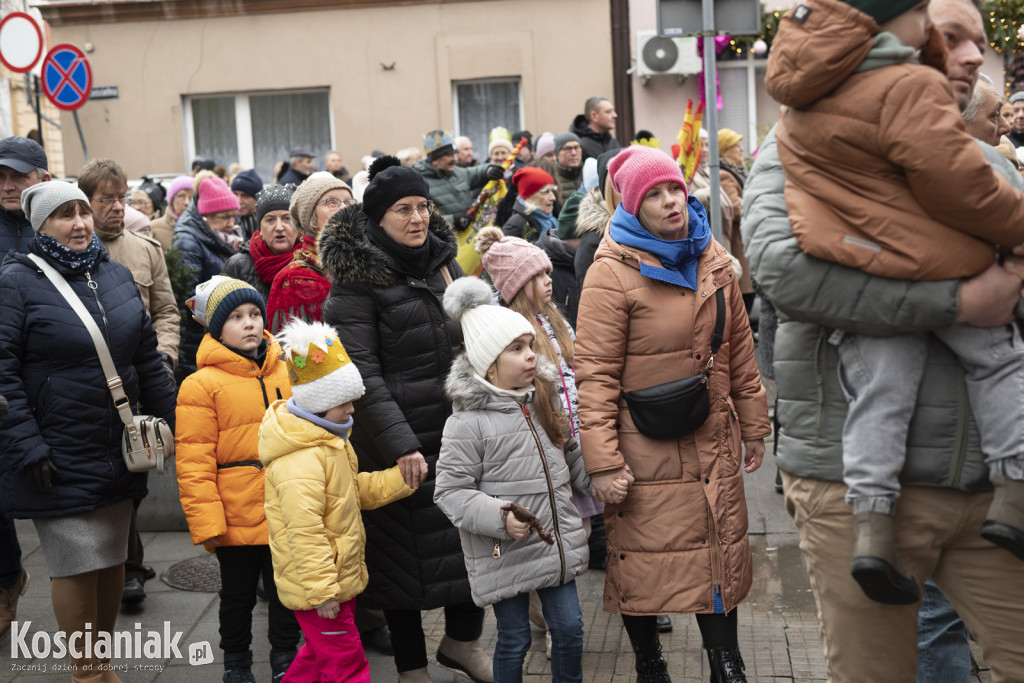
621	63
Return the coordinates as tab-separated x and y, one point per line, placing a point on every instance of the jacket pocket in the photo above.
242	493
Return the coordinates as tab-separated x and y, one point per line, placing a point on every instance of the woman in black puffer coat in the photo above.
389	265
60	445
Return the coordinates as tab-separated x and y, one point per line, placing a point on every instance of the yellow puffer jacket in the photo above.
220	407
314	494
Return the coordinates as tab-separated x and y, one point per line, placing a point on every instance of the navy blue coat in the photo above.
205	255
15	232
60	406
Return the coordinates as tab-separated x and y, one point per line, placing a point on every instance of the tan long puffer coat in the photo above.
682	529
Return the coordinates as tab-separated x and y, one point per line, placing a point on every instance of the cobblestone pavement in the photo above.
778	631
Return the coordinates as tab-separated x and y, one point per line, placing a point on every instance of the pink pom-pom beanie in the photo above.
215	196
637	169
510	261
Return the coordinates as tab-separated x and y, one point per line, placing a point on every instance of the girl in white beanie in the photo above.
508	442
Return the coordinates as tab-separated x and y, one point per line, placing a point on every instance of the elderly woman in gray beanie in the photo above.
390	260
272	246
60	446
300	288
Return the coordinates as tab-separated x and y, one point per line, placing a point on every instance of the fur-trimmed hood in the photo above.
469	393
593	214
348	256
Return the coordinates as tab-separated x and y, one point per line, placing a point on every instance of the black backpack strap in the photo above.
716	337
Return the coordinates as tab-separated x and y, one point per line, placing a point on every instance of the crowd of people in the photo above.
444	383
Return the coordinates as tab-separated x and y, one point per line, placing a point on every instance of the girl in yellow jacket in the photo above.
220	476
314	494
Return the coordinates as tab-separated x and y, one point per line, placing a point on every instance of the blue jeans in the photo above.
10	553
942	650
561	608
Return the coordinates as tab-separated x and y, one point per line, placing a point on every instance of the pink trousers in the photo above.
332	652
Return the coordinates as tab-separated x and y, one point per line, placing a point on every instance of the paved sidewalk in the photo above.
778	631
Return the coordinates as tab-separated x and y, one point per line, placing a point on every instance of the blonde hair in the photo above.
521	304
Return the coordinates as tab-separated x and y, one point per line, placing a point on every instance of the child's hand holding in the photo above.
329	610
515	528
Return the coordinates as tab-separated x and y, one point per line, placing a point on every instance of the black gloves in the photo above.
494	172
41	475
461	221
168	364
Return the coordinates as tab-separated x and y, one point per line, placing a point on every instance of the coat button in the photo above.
623	599
698	356
620	513
703	541
622	556
703	293
442	326
706	480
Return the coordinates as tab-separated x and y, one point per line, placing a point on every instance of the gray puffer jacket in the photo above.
493	453
814	296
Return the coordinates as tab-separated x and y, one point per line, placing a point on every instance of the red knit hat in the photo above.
530	179
637	169
215	196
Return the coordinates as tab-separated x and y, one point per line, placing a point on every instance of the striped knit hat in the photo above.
217	297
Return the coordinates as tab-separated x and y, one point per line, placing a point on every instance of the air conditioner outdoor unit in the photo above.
661	55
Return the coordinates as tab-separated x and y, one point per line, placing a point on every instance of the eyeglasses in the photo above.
334	203
571	150
107	201
140	203
405	211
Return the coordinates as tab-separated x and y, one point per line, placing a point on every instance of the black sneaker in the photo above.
379	640
134	593
778	480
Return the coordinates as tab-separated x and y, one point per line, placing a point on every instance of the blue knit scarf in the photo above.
678	257
340	429
75	261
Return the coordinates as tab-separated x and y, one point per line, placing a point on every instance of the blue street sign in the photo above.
67	77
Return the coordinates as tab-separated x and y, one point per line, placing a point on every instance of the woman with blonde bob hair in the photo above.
661	304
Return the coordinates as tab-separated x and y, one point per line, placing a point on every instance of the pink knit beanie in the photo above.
637	169
215	196
510	261
182	182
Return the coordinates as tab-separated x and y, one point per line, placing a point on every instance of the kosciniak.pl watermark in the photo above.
134	644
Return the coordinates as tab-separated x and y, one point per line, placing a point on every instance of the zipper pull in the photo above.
526	411
496	553
92	283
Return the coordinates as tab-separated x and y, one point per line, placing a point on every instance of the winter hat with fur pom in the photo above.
510	261
320	371
389	183
486	327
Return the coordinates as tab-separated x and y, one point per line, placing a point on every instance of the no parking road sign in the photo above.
67	77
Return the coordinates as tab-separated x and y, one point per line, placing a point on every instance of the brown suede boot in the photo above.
1004	523
468	658
9	604
877	565
415	676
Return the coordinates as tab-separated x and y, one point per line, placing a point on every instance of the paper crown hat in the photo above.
436	140
320	371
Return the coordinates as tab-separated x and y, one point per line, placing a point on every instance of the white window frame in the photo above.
243	120
518	80
750	64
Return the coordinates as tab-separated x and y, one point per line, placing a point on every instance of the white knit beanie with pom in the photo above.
321	373
486	328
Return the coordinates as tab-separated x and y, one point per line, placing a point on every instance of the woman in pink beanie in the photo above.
659	296
179	195
203	236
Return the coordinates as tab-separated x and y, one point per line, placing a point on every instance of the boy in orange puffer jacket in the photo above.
220	476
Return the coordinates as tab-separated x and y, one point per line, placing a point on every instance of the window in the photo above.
258	129
479	106
738	81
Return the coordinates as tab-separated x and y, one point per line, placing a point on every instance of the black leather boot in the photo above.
726	665
650	665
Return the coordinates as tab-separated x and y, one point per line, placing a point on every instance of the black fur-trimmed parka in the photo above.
396	331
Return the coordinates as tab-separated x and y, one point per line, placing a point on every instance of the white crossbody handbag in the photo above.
148	440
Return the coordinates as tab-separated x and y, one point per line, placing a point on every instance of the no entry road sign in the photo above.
67	77
21	42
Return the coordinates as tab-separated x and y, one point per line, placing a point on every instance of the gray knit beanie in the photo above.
273	198
309	193
562	139
42	199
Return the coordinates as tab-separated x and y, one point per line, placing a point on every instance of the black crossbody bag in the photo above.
675	409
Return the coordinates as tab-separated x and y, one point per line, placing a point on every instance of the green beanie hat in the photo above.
567	217
883	10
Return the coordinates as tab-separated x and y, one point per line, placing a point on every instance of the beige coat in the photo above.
881	174
145	259
682	530
163	228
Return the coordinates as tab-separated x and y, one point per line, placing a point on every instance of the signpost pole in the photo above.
39	111
711	115
81	136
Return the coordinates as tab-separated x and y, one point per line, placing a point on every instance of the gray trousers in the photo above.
881	377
